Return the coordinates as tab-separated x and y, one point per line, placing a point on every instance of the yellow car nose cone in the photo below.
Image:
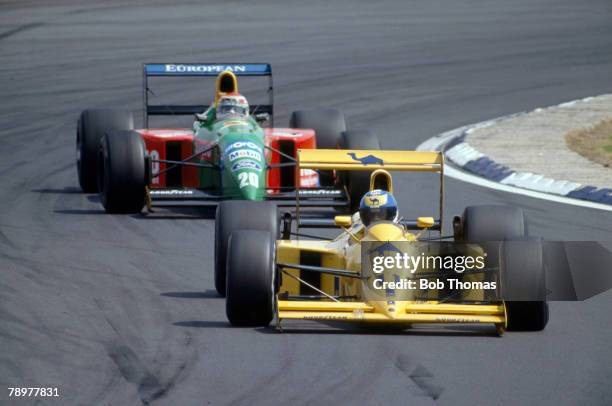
385	232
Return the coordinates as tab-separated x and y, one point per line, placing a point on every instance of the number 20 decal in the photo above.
248	179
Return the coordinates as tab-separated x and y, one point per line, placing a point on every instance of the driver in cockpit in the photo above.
378	205
229	106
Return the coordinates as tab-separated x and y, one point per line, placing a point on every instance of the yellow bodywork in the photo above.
339	159
345	298
357	304
399	312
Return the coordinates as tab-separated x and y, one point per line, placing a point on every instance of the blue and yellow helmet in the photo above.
377	205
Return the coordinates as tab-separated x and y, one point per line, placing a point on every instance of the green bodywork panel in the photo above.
240	155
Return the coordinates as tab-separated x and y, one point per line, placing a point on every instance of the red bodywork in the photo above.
177	144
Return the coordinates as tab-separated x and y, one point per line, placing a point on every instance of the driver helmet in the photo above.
232	105
377	205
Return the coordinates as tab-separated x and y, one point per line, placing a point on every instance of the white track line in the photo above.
436	144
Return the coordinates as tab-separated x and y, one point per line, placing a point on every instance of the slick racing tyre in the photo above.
524	284
493	223
91	127
357	182
122	174
520	261
328	125
233	215
250	281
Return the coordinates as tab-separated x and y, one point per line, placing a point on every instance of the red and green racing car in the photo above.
232	151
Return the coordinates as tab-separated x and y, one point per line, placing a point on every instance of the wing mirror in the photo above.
262	117
343	221
425	222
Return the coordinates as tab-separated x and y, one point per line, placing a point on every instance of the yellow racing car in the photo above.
276	273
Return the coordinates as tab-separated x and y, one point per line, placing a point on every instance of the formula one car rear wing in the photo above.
356	160
204	70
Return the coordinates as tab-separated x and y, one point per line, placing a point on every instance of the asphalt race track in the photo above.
121	310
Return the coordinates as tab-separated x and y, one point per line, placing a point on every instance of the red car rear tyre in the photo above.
91	127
